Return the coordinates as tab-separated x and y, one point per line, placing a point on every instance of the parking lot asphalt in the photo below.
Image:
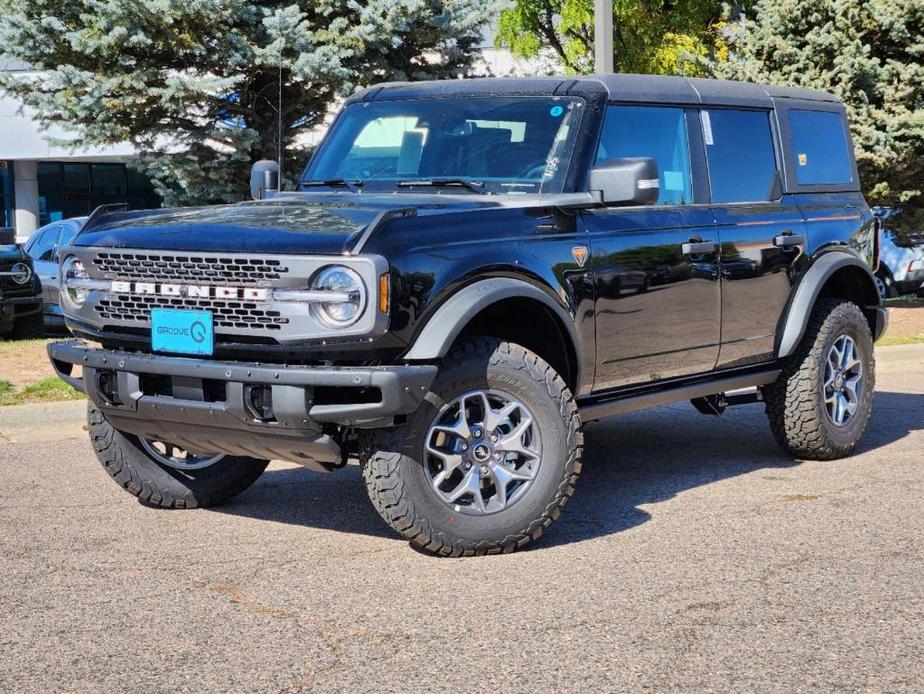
694	556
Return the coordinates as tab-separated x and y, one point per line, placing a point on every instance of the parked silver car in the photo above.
43	247
901	259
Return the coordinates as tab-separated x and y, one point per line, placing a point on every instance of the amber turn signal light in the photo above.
384	287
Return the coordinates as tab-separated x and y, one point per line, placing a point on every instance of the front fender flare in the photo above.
450	319
806	294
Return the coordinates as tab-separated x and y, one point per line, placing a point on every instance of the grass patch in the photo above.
907	301
47	390
892	340
20	346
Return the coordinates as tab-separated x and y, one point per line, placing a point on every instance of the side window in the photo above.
739	151
820	151
652	131
42	247
68	232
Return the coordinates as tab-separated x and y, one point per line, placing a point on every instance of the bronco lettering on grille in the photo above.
192	291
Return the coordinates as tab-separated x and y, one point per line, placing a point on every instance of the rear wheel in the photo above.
821	403
487	462
885	285
162	474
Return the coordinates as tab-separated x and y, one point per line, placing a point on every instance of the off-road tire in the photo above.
158	485
885	284
795	402
29	327
393	467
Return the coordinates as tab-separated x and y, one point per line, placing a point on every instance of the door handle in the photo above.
787	240
693	247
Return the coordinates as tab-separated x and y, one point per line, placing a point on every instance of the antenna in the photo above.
279	125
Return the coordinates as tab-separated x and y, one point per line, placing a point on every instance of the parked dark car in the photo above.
20	304
42	247
459	284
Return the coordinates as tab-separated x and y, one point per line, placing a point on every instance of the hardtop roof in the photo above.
621	87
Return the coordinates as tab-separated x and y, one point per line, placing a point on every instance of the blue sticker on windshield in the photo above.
556	111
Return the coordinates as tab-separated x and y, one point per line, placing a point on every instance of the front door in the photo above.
656	272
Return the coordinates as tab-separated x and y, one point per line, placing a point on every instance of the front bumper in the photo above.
205	406
13	308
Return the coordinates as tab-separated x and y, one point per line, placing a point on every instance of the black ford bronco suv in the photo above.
468	271
20	291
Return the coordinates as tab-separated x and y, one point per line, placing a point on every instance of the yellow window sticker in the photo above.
803	159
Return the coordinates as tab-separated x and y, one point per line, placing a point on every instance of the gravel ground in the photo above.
694	557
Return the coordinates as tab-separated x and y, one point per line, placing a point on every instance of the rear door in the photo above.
657	299
762	232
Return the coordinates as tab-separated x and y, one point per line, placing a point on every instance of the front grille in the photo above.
227	314
204	269
127	310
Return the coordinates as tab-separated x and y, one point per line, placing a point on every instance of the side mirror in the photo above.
629	181
264	177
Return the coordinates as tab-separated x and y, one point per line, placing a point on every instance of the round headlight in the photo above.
72	269
348	296
21	273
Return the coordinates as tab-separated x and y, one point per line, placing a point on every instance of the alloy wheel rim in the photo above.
880	285
482	452
177	457
843	386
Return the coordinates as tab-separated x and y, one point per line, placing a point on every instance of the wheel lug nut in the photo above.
467	465
493	438
463	447
477	433
484	469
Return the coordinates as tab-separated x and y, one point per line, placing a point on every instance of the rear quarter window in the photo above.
820	148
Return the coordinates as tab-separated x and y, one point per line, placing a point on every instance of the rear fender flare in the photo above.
806	293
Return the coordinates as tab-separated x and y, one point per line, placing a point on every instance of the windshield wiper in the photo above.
353	186
477	186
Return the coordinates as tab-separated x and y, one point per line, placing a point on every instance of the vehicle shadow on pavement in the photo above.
630	462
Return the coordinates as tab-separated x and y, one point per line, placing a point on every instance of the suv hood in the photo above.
11	253
289	223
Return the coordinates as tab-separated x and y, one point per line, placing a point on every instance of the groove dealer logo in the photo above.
196	331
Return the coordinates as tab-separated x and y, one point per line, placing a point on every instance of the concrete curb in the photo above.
43	413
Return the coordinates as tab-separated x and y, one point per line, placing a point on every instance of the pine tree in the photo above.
870	53
194	84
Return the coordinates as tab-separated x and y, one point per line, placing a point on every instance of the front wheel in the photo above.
489	459
162	474
29	327
821	403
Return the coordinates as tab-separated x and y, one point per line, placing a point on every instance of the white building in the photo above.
41	182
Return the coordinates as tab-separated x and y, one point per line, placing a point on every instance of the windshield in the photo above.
472	145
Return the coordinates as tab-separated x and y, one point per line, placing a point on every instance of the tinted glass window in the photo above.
500	145
42	246
739	149
819	142
648	131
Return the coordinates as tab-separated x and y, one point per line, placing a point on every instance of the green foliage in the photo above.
194	83
47	390
869	53
649	37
